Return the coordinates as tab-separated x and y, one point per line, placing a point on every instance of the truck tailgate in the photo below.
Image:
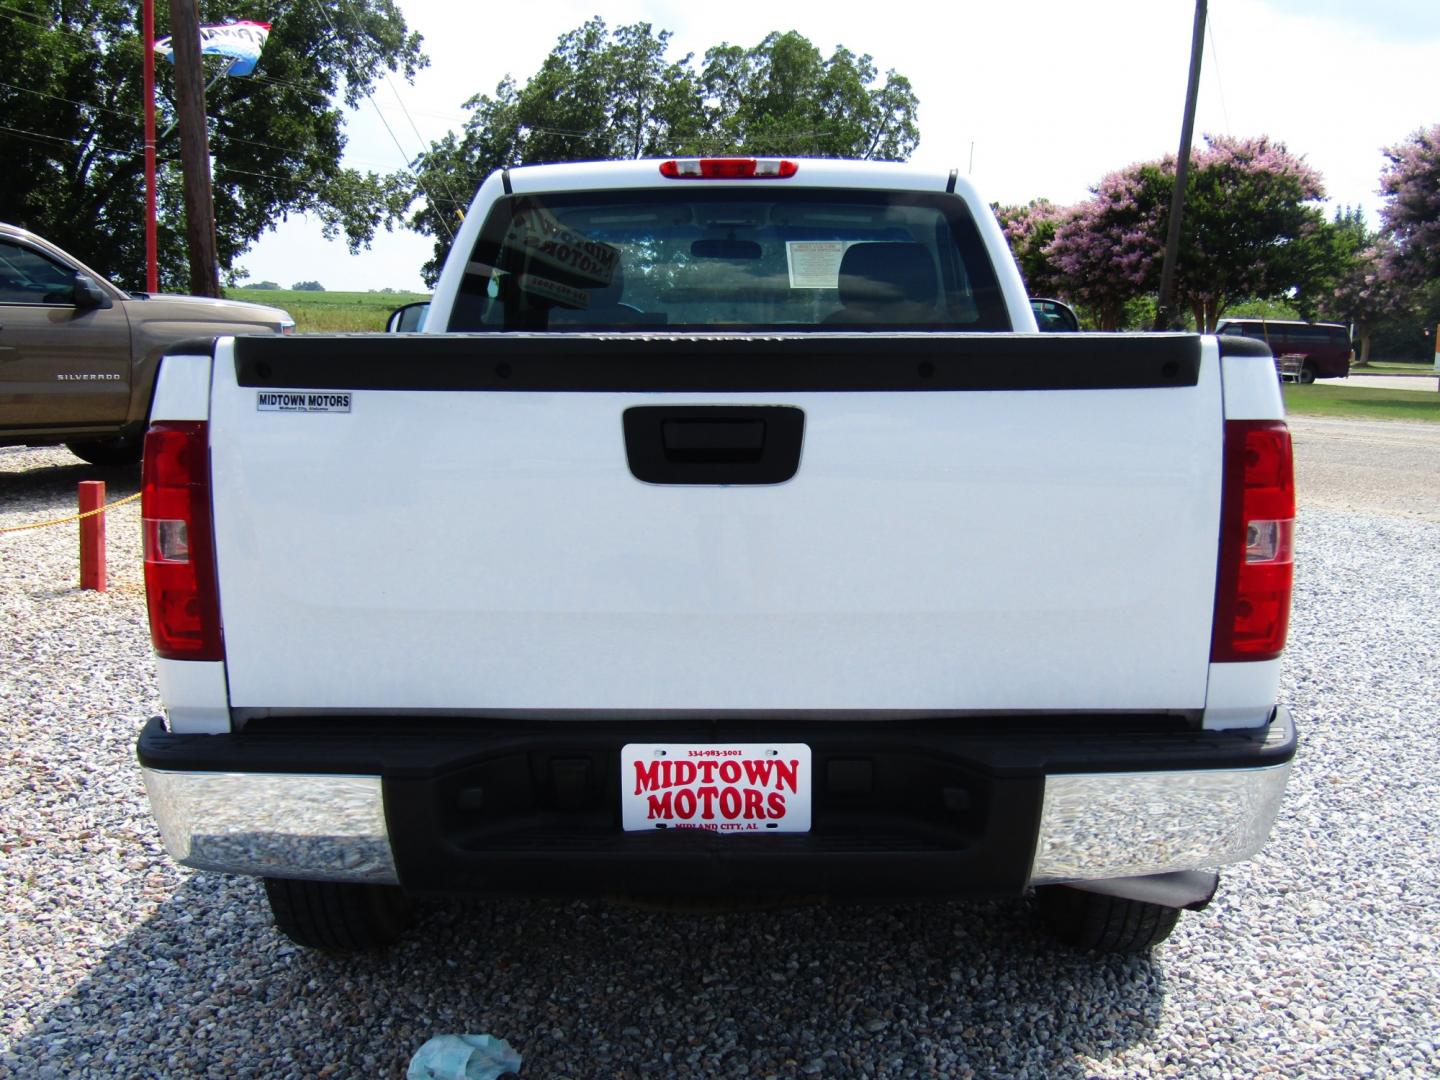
977	523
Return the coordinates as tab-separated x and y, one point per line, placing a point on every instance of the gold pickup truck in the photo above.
78	355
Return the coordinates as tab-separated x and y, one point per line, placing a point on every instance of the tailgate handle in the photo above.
713	444
713	440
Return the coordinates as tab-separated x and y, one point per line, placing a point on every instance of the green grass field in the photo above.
1387	367
1321	400
330	312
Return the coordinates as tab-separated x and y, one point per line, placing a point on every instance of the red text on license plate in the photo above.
730	788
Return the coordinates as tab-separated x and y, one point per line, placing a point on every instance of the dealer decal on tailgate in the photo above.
733	788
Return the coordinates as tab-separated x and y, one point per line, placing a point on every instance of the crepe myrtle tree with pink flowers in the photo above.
1104	250
1030	229
1252	230
1410	218
1366	291
1367	294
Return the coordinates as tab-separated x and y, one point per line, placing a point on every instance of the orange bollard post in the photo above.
92	536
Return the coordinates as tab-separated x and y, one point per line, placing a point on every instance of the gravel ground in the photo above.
1320	957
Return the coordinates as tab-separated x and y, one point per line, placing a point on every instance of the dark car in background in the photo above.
1324	347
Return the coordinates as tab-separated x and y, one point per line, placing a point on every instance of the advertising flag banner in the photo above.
240	41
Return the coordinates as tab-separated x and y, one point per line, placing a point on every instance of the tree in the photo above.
71	148
784	97
1410	217
598	95
604	95
307	286
1252	229
272	285
1365	291
1107	251
1030	230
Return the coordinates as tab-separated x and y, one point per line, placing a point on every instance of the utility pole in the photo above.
1163	317
152	256
194	148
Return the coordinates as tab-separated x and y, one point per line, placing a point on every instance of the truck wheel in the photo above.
118	450
336	916
1099	923
1307	373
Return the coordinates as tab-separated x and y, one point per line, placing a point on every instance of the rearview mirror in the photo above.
725	249
88	294
408	319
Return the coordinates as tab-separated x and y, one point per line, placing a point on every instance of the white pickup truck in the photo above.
729	532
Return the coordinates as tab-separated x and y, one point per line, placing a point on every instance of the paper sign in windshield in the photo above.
553	290
546	239
815	264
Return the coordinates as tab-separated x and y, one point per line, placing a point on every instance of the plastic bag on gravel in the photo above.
463	1057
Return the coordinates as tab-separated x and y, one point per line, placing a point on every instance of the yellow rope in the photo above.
73	517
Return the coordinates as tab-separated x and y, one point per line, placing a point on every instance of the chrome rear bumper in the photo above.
1133	824
1085	826
302	825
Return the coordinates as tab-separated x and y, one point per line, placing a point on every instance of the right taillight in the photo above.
1257	534
180	587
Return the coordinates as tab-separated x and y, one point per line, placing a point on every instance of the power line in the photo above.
46	139
320	6
40	136
305	87
68	101
30	16
116	112
444	179
1219	85
215	119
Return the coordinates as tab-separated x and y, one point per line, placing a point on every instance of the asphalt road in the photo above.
1376	466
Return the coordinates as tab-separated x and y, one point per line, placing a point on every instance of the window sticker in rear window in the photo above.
815	264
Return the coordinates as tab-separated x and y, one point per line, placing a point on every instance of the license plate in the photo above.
724	788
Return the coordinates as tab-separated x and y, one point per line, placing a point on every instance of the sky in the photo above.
1032	99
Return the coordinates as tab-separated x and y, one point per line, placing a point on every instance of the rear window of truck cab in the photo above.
728	259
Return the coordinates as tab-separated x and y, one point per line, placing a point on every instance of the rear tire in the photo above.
1307	373
117	450
1098	923
338	916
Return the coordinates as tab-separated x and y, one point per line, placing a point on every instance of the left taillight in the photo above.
180	586
1257	540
